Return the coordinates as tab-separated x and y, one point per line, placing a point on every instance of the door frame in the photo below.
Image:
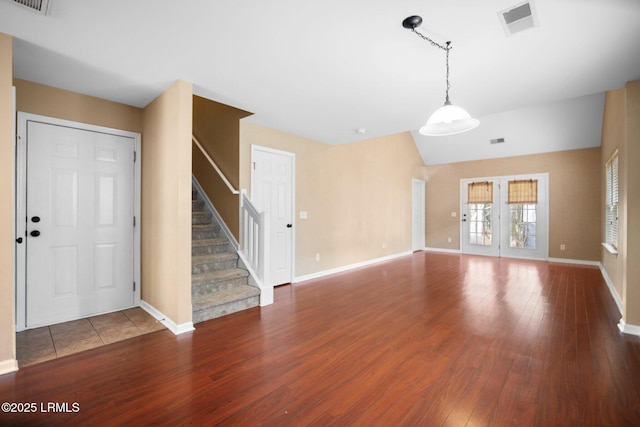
292	157
420	204
20	202
501	211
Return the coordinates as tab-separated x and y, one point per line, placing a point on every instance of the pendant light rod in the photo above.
448	119
412	23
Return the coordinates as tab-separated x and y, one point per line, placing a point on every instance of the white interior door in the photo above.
272	190
418	215
493	223
79	223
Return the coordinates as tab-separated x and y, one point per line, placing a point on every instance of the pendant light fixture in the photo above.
448	119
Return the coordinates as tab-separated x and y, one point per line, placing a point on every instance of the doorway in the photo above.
77	246
417	215
505	216
272	191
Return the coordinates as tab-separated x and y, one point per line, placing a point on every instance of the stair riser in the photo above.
197	206
209	233
221	310
210	249
207	288
200	218
212	266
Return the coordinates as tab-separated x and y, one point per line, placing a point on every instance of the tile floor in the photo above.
49	342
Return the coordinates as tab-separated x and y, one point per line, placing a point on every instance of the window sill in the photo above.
609	247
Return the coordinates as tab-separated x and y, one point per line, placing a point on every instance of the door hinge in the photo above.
134	221
254	165
134	286
135	156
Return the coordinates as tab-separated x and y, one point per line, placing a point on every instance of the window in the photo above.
611	196
480	201
522	200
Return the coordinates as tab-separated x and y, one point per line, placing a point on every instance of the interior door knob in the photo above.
35	218
35	233
289	225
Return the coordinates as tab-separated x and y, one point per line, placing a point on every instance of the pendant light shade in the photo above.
448	120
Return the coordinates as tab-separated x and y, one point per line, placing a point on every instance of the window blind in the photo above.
480	192
523	191
611	208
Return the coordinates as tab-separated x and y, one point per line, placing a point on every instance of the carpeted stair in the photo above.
218	285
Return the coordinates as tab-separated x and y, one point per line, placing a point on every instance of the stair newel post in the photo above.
265	260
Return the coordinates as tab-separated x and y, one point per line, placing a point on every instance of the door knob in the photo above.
35	218
19	240
289	225
35	233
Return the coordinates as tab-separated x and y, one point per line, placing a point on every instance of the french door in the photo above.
505	216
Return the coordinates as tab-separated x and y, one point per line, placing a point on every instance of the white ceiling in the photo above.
324	69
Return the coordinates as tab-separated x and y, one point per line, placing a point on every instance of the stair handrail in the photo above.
215	166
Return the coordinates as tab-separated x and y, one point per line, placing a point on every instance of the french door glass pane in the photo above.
480	224
522	225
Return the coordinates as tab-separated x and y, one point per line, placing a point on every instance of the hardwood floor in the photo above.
425	340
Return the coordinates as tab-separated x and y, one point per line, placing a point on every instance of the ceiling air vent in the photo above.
497	141
518	18
39	6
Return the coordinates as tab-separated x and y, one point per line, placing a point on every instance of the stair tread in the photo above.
219	275
200	302
203	226
222	256
206	242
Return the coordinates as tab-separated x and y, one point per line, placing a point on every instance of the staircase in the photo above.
218	285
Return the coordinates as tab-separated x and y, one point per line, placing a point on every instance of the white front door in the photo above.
272	183
494	223
79	230
418	215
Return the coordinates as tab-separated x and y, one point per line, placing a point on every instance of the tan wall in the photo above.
166	203
217	128
62	104
613	137
357	196
574	216
631	196
7	289
621	131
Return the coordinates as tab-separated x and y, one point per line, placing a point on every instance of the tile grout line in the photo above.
96	331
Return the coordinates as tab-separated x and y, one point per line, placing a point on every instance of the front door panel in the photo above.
79	205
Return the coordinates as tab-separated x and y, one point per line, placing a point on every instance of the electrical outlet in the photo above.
384	245
449	239
317	257
454	214
562	247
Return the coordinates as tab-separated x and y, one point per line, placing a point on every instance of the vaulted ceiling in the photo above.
324	69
